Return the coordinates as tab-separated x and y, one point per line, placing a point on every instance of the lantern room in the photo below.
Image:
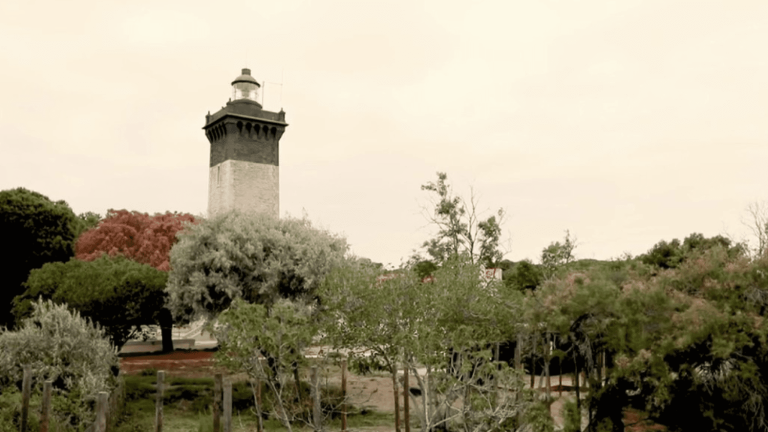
245	87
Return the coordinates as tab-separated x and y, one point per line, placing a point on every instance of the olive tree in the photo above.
445	330
61	346
460	321
248	333
370	312
251	256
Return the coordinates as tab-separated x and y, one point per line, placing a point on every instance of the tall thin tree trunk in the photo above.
297	382
166	329
533	362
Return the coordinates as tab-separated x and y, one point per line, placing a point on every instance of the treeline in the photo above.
681	328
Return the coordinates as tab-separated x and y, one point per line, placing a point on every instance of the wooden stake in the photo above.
159	401
217	403
46	408
316	420
227	405
101	412
406	400
396	395
547	353
344	398
26	390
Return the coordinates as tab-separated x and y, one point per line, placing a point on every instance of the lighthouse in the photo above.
244	171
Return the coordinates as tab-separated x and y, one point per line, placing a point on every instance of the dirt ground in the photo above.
374	392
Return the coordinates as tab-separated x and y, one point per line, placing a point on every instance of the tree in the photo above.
249	332
366	311
664	254
458	323
525	276
557	255
138	236
119	294
36	231
254	257
424	268
65	348
460	228
667	255
451	326
86	221
757	221
687	344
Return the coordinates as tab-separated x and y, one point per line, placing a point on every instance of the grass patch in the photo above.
187	406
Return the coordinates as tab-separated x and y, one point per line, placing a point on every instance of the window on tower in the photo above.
245	90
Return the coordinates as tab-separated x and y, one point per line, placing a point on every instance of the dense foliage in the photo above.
686	344
255	257
61	346
119	294
138	236
460	229
450	325
35	231
670	254
248	333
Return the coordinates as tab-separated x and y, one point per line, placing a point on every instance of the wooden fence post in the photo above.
344	396
159	401
316	420
217	403
26	390
101	412
116	399
227	405
547	352
406	400
45	414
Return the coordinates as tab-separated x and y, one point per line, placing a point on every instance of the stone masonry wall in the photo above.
246	186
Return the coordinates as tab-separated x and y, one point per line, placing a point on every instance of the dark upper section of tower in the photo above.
242	130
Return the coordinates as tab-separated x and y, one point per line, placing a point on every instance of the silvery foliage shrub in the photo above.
61	346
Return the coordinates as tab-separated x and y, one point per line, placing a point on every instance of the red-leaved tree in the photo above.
137	236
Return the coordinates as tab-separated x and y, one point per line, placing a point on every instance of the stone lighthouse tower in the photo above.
244	168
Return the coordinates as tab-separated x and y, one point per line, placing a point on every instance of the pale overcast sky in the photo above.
626	122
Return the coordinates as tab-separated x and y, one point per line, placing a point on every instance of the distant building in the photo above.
244	166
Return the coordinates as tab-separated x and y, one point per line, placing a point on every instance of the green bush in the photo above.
62	347
538	417
571	417
149	372
136	388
